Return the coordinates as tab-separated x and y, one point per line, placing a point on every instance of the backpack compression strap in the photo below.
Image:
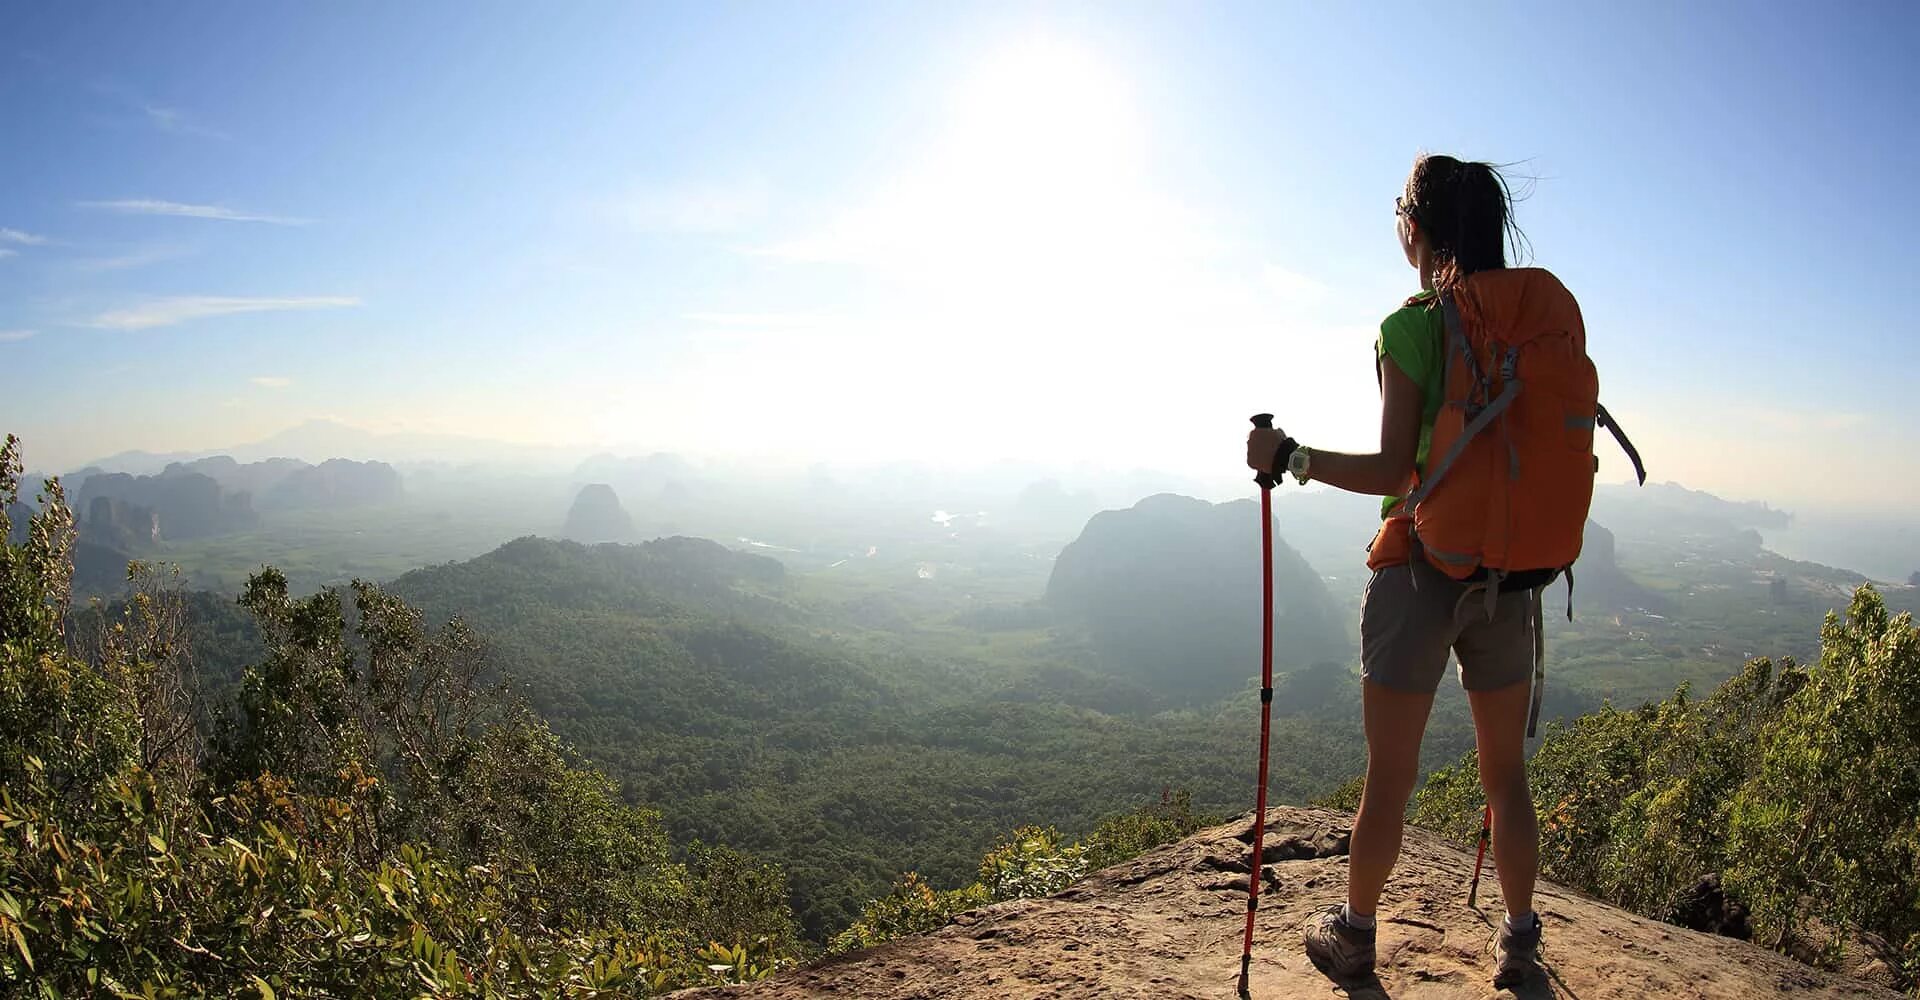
1536	623
1605	419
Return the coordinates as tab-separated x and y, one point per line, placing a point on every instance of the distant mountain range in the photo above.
217	495
175	505
319	440
1672	507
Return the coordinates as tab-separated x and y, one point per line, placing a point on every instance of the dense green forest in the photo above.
701	678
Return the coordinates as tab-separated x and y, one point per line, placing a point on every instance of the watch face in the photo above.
1297	462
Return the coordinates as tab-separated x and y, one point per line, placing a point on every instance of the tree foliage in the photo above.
1831	811
371	816
1031	861
1796	788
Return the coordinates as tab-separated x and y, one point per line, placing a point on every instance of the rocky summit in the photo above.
1167	926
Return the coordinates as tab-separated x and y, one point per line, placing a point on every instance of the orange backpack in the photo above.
1510	468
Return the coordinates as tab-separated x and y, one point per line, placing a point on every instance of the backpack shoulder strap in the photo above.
1457	341
1605	419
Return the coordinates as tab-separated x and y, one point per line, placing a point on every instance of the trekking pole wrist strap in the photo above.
1282	455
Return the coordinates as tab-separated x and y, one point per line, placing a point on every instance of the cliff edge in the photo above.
1167	926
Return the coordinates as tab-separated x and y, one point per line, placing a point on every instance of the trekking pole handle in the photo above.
1264	421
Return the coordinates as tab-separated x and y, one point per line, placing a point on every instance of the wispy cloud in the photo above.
1798	420
758	320
698	208
5	253
23	239
138	257
719	330
1291	286
155	206
173	121
183	308
15	336
271	381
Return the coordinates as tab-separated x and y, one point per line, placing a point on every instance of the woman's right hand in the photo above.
1263	446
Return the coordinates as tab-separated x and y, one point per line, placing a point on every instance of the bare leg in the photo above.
1395	722
1500	729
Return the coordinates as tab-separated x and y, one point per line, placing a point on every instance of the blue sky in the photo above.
948	232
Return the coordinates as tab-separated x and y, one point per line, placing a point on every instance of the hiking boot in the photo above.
1516	953
1336	947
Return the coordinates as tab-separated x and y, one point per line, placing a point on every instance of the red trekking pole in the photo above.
1486	830
1264	420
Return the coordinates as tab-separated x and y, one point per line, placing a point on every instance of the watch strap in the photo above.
1301	457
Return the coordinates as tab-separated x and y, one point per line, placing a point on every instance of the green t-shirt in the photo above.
1413	338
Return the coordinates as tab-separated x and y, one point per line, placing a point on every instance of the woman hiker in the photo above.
1454	220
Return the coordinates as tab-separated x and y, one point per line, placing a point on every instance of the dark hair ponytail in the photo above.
1466	210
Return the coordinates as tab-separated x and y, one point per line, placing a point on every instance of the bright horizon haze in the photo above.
953	234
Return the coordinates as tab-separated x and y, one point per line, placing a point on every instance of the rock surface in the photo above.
1167	926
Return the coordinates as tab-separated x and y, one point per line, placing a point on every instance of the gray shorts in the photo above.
1412	616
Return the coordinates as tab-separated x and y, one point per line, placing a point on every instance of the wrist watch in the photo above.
1299	463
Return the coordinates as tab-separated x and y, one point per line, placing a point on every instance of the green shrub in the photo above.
1799	788
1131	834
1831	812
1033	861
910	907
1345	798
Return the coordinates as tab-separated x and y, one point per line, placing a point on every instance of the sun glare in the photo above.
1033	266
1044	108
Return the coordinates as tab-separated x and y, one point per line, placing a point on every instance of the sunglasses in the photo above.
1400	207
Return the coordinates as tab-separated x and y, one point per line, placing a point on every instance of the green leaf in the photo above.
20	942
266	992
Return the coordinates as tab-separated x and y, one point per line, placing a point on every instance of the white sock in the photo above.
1354	920
1524	922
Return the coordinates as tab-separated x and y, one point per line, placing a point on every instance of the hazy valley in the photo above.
839	673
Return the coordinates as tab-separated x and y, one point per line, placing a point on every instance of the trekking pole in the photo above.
1263	420
1486	831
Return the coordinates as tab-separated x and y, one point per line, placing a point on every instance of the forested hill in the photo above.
709	685
658	578
1169	591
